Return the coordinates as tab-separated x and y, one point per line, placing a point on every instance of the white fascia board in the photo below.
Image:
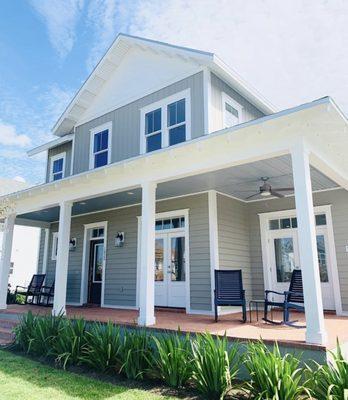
49	145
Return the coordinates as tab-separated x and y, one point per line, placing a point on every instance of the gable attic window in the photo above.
166	122
100	146
57	167
232	111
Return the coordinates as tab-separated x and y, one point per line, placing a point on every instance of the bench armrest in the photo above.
273	291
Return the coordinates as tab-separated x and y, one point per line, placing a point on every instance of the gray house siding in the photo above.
121	262
233	238
339	209
126	123
41	251
67	148
218	86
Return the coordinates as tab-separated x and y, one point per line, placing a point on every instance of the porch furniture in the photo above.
46	294
34	288
229	290
293	299
255	304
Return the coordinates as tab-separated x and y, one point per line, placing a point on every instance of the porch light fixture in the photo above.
119	239
265	193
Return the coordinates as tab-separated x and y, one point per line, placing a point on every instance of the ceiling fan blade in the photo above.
285	189
274	193
253	195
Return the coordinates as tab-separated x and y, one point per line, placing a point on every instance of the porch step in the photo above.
7	323
6	335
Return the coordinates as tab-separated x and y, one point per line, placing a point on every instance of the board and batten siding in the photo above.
41	251
338	199
63	148
233	238
126	123
121	262
218	86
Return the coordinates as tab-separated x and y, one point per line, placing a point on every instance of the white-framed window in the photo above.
166	122
57	167
54	245
232	112
100	145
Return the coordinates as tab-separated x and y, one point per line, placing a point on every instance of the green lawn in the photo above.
22	378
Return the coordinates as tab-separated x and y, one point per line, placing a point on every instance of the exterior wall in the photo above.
65	147
339	209
126	123
218	86
121	262
233	233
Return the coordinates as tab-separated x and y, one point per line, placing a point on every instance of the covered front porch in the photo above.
218	174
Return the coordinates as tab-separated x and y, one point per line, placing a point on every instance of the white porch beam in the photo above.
62	259
5	260
313	303
147	255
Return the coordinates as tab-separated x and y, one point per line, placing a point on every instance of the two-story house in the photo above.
166	166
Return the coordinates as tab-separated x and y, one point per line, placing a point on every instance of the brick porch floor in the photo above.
169	320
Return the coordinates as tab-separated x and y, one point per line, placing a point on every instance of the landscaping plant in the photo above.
330	381
272	375
214	364
102	347
171	360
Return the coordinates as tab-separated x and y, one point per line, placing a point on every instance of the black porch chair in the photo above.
46	294
34	288
293	299
229	290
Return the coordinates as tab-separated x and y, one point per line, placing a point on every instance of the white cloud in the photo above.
9	136
60	18
19	179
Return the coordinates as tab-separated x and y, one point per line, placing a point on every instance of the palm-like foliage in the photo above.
214	365
330	381
102	347
171	360
273	376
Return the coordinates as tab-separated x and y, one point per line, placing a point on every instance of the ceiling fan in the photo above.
266	189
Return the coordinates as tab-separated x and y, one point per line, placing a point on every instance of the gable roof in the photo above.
113	57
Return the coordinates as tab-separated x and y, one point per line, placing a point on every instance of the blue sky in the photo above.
291	51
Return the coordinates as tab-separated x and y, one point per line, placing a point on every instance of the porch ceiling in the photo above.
238	181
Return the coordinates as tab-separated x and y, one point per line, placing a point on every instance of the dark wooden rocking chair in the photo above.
46	294
33	290
229	290
293	299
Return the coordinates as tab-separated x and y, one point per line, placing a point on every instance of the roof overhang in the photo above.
51	144
320	124
112	59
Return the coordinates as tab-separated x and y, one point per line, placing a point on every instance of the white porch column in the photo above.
62	259
5	260
315	332
147	255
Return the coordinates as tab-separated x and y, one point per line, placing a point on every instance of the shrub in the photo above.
134	354
70	342
102	347
330	381
214	365
273	376
171	360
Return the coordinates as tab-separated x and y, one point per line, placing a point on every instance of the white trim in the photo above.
225	98
85	264
266	262
72	158
50	145
163	104
103	127
54	246
213	240
170	214
207	100
52	160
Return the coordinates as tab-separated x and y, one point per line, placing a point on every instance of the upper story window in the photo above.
166	122
57	167
100	146
232	111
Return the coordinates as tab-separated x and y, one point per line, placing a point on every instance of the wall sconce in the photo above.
72	244
119	239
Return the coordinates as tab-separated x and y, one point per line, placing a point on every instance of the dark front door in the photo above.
95	276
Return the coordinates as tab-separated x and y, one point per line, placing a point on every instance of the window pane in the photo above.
274	224
177	256
149	123
180	112
176	222
177	135
58	165
167	224
153	121
159	258
158	225
157	120
285	258
320	219
98	262
322	258
294	222
58	176
172	114
154	142
182	222
285	223
101	141
100	159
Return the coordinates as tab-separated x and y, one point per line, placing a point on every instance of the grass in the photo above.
21	377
